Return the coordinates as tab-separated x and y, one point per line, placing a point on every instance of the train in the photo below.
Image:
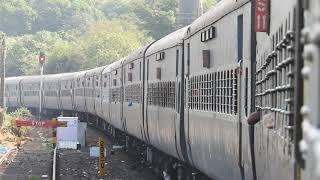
217	99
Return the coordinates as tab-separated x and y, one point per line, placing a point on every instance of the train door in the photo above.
241	82
72	93
95	92
179	120
145	97
124	79
106	96
116	99
185	140
240	85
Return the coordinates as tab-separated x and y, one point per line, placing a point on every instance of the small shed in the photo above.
73	136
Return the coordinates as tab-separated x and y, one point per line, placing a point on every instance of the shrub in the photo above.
9	124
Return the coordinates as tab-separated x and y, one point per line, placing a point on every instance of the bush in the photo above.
9	124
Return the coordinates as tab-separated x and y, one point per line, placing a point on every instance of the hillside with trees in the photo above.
80	34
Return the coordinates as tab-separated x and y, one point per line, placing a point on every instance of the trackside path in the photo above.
32	161
78	165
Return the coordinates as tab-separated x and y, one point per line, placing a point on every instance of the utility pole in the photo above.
42	58
2	75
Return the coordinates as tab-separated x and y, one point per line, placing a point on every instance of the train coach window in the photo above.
148	69
114	82
130	77
206	58
240	37
177	61
160	56
115	94
188	58
162	94
234	91
158	73
204	36
130	65
140	70
223	86
212	32
201	92
246	93
132	93
105	84
208	34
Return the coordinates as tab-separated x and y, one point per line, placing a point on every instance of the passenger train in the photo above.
214	100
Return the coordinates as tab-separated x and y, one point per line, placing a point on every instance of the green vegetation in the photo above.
119	38
81	34
33	178
157	18
207	4
19	17
9	124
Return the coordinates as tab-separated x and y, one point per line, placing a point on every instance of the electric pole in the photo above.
2	75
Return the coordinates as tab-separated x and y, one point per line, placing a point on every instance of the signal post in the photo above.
41	59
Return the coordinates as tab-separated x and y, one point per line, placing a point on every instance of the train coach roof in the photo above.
14	80
137	54
80	74
53	77
66	76
114	65
94	71
214	14
32	79
168	41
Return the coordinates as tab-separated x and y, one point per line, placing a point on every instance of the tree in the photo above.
57	15
107	41
63	58
23	51
207	4
157	18
16	16
75	35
